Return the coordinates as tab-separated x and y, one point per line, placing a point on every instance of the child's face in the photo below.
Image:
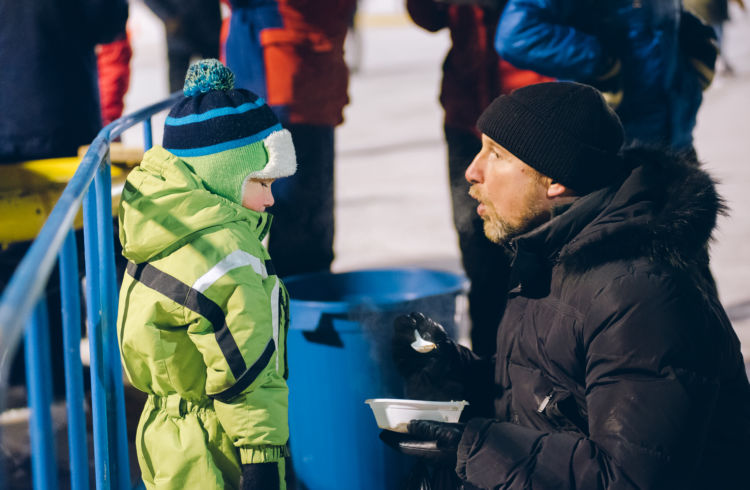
257	194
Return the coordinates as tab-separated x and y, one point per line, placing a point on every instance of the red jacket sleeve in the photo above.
113	62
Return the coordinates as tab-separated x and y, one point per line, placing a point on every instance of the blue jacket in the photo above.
577	39
49	97
291	53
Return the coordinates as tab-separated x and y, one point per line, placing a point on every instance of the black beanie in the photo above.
565	130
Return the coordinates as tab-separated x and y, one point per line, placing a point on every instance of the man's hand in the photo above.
413	446
447	435
698	42
414	329
609	83
427	358
427	439
417	342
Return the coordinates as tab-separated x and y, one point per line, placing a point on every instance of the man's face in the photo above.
512	196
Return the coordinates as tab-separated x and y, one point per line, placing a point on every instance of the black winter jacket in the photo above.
49	97
617	367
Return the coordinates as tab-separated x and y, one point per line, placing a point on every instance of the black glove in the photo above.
413	446
407	359
609	82
427	439
435	374
446	435
698	42
260	476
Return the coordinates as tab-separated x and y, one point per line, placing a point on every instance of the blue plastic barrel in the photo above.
339	355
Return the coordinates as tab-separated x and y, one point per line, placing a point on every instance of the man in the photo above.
616	365
650	57
473	75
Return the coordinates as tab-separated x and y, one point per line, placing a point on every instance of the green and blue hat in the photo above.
226	135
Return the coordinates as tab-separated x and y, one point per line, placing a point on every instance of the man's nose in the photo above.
473	173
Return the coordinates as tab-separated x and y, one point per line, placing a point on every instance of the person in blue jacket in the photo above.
650	58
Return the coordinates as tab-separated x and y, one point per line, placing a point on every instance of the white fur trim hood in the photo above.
282	160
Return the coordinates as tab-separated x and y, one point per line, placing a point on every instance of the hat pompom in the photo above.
206	75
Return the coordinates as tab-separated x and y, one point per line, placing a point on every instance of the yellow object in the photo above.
29	191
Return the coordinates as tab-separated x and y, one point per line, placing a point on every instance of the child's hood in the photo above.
164	203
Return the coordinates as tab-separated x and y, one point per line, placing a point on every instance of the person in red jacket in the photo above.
473	75
113	64
291	53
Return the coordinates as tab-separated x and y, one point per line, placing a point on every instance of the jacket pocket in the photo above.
562	409
540	403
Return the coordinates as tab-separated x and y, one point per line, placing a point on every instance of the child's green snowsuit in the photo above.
202	329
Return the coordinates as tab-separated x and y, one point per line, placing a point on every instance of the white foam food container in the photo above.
395	413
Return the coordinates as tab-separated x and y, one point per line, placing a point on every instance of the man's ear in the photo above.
556	189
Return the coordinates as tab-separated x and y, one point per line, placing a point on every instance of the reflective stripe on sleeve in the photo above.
238	258
275	318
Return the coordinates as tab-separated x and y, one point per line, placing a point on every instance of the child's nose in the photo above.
269	199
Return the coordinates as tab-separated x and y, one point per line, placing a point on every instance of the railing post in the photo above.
110	437
148	138
21	297
99	385
71	324
111	359
39	382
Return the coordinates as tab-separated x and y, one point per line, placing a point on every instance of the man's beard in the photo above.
499	230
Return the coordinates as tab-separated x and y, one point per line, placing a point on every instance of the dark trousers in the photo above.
486	264
192	29
301	239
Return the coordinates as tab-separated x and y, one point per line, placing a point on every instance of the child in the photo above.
203	318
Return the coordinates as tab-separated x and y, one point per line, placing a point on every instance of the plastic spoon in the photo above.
421	345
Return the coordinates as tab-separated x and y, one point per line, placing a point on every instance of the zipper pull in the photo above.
544	403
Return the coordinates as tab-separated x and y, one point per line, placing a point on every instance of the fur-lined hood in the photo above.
665	209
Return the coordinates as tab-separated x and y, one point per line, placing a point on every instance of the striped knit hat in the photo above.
226	135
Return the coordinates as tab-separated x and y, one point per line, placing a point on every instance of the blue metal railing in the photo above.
23	312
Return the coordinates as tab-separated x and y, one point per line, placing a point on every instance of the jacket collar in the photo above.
537	251
664	209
